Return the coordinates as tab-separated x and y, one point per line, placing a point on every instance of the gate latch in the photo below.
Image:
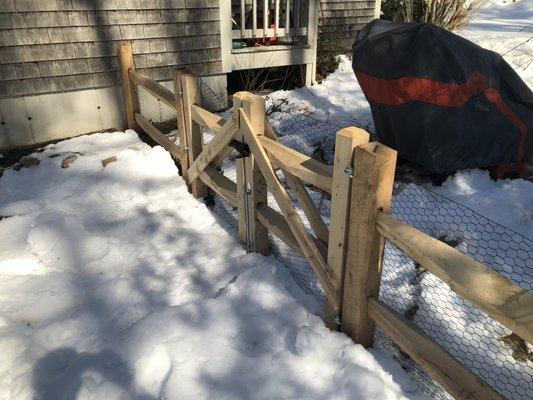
241	147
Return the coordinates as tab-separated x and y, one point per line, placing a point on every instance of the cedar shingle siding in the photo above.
50	46
346	16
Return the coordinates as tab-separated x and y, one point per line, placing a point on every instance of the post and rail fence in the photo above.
347	256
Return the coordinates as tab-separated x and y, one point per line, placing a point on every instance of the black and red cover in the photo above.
442	101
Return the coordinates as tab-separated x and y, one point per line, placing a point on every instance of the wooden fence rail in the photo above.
346	256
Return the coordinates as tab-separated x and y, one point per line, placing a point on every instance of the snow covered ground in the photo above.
116	284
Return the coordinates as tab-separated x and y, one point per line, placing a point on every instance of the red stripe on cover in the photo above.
394	92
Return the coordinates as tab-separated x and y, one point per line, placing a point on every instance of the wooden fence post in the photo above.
346	141
371	192
191	95
251	186
180	119
129	94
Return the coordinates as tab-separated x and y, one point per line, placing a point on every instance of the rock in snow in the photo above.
115	283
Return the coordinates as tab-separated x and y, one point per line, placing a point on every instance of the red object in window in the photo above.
268	40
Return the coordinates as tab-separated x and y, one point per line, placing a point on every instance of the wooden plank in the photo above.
180	117
223	186
129	94
434	360
491	292
158	137
308	207
346	141
303	197
154	88
306	168
191	96
209	152
306	243
240	171
255	189
207	119
276	223
219	159
371	190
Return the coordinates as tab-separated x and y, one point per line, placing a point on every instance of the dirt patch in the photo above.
26	162
68	160
108	161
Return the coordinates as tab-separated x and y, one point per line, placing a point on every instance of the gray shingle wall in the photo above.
49	46
346	16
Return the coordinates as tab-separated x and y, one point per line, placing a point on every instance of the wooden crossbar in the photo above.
296	225
207	119
303	197
158	137
308	207
222	185
501	299
304	167
156	89
436	362
276	223
210	151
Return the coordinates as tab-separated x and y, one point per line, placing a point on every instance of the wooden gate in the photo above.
347	256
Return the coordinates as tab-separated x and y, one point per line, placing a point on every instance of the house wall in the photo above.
58	66
347	16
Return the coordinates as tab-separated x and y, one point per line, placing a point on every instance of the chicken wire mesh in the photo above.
481	344
160	114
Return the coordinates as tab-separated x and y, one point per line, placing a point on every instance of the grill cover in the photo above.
442	101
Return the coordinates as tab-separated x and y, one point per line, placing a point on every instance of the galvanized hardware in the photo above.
337	320
349	170
246	194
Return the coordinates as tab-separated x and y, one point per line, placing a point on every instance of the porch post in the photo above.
312	38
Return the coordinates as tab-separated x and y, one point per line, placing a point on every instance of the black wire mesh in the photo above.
160	114
484	346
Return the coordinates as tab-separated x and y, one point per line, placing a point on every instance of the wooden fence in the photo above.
347	257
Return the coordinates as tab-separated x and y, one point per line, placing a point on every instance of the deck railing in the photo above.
268	21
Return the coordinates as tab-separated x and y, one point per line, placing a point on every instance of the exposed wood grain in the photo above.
256	190
205	118
276	223
303	197
223	186
346	141
306	168
371	190
303	238
154	88
210	151
433	359
308	207
191	96
129	94
158	137
180	117
488	290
